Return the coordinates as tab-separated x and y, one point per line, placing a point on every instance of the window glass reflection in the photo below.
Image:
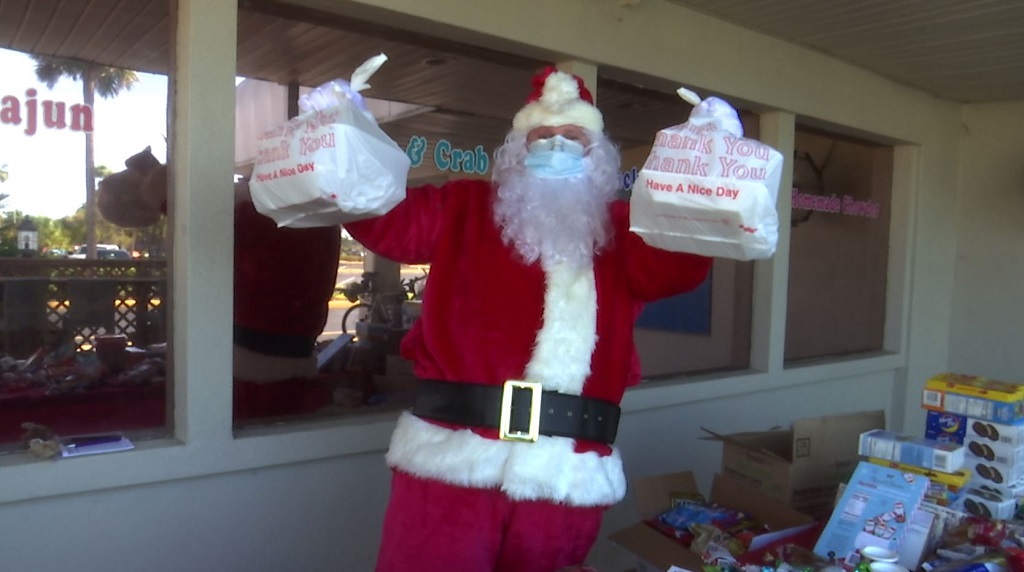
83	296
839	246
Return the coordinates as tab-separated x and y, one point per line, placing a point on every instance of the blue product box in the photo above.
1007	413
875	509
946	427
909	450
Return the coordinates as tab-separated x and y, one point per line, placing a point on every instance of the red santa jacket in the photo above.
284	278
489	317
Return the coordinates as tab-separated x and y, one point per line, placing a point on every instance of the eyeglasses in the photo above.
557	143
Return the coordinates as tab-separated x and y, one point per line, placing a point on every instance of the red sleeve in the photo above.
653	273
409	232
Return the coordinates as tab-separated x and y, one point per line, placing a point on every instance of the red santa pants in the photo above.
431	526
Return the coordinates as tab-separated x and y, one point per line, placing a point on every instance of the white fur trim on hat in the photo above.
559	104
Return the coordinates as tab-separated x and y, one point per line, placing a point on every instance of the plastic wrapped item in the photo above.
708	190
332	163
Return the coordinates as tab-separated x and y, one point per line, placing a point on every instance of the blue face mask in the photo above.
556	157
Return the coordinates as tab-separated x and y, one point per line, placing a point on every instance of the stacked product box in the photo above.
986	416
942	461
944	489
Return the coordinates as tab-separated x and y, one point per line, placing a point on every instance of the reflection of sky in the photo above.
47	170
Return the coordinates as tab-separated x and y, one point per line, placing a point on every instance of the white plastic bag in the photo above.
331	164
708	190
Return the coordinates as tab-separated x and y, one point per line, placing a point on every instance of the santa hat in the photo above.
558	98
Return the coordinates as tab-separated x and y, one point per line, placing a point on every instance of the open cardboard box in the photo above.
802	466
653	496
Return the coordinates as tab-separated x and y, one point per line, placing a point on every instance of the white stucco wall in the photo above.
314	497
988	317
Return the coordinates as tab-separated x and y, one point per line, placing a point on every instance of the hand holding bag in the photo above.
708	190
331	164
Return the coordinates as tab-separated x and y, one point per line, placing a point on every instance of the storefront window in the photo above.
707	329
83	271
839	247
449	107
301	350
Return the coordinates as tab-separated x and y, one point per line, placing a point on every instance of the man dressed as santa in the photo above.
523	349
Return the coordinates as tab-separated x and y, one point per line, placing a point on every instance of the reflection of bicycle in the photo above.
413	287
374	307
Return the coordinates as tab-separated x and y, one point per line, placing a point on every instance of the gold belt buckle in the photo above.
533	433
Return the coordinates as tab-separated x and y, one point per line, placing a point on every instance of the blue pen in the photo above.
93	440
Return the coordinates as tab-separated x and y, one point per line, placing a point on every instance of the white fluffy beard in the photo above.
563	220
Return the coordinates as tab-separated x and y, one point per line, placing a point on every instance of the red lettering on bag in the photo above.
732	169
654	186
309	145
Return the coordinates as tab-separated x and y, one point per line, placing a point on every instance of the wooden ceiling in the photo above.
473	92
956	50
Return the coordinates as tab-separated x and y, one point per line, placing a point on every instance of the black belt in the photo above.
281	345
510	409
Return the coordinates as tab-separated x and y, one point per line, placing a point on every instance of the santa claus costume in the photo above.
507	304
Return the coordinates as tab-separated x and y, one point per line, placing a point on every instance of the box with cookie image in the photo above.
993	453
986	503
989	472
1006	491
988	432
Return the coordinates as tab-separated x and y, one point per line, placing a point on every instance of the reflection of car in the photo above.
113	254
103	252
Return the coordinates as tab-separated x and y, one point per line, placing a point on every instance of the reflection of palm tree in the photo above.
3	178
106	81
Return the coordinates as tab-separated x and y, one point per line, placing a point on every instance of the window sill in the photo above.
165	460
154	461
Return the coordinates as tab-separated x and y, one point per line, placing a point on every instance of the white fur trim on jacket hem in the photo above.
549	469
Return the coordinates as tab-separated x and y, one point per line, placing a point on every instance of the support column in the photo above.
771	277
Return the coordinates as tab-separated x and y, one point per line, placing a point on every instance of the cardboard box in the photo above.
802	466
653	495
